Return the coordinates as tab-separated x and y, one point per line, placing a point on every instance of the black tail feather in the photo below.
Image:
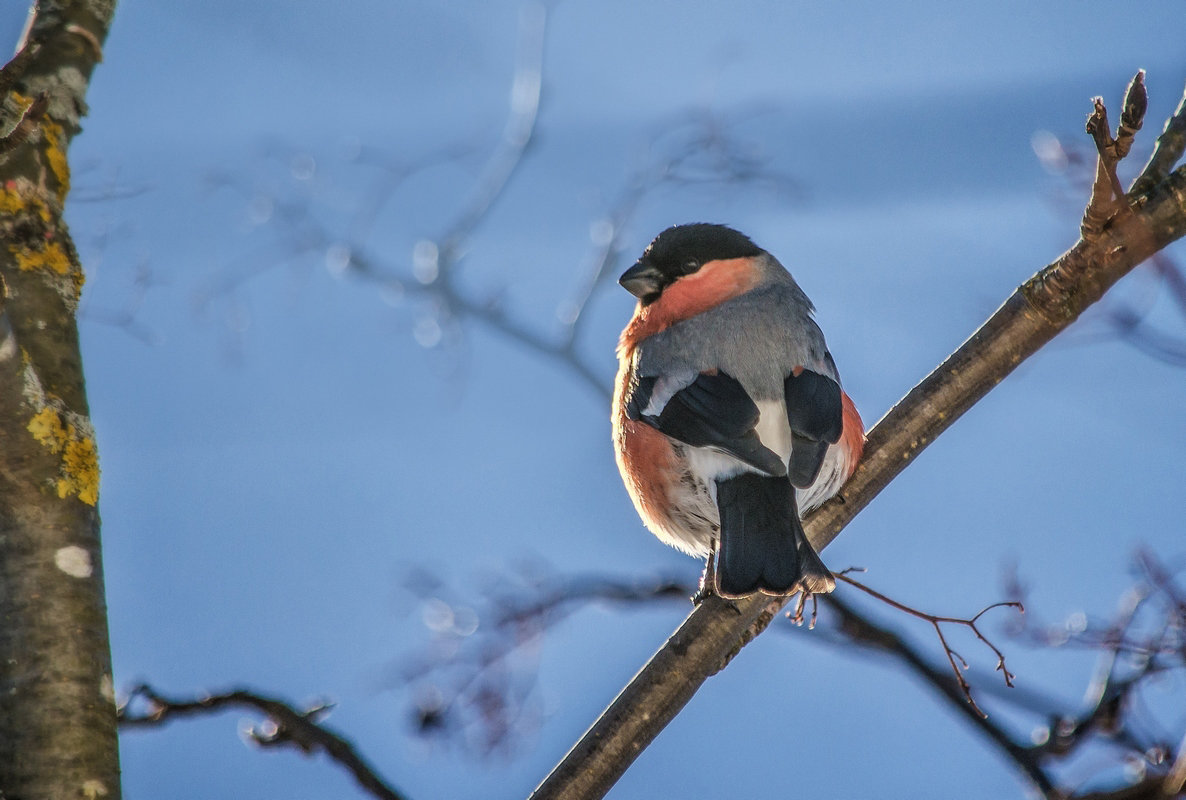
763	547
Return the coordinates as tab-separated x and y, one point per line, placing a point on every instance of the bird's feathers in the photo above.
712	411
815	414
730	419
762	544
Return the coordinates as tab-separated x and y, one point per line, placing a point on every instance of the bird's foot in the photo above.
797	615
708	583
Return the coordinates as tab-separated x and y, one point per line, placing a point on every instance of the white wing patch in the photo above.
665	388
836	468
711	465
773	429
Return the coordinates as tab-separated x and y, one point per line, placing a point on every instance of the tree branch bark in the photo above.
1037	311
57	710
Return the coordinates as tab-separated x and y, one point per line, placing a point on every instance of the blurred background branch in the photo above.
286	727
475	684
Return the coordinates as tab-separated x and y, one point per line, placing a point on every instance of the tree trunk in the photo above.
57	711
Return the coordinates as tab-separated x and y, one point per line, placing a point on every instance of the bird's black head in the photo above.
682	250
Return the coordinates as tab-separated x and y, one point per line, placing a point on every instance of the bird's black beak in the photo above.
643	281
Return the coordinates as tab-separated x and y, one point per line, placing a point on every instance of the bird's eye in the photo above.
690	267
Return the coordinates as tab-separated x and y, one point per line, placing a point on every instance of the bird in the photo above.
729	420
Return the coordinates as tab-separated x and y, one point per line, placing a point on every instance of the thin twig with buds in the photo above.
937	621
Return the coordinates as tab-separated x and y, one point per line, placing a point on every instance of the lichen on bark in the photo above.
57	721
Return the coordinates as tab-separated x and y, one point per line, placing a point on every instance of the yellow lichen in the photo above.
80	465
35	248
13	202
52	257
78	278
55	157
79	470
47	428
54	138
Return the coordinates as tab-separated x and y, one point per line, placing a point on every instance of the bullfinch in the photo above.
729	421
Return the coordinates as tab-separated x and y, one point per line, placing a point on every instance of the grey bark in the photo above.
57	709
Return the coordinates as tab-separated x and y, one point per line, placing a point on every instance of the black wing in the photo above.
713	411
816	417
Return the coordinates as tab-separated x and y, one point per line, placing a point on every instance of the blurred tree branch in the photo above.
57	713
1042	307
477	691
469	691
693	149
286	727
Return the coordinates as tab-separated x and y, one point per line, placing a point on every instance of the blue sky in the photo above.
276	456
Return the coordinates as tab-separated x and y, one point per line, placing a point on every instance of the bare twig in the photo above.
859	629
476	695
507	620
391	175
1167	151
475	682
1141	642
1111	718
468	675
1107	195
516	137
286	727
1126	316
127	318
1107	189
697	151
1162	580
693	149
937	622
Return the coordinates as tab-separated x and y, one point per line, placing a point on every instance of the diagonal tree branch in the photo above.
1033	315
